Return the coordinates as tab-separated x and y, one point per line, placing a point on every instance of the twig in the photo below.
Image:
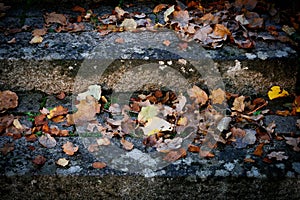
259	107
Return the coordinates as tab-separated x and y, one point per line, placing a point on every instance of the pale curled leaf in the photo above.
198	94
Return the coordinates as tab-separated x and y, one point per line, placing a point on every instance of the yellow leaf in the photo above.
36	39
276	92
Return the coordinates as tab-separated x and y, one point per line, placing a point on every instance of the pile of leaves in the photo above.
241	22
161	118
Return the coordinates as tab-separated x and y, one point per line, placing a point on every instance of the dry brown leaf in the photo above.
103	141
208	19
8	147
198	94
40	120
47	141
193	148
31	138
8	100
61	96
69	148
93	148
175	155
120	12
99	165
279	155
86	112
57	111
166	42
168	12
126	144
249	160
62	162
159	8
218	96
78	9
55	18
39	160
181	17
206	154
221	31
129	24
259	150
293	142
39	32
238	104
119	40
202	33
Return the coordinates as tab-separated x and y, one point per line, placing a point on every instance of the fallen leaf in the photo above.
166	42
86	112
39	32
12	41
126	144
254	20
297	103
208	19
44	111
93	90
39	160
198	94
7	147
259	150
238	104
129	24
103	141
218	96
181	17
202	34
206	154
169	144
57	111
69	148
193	148
62	162
99	165
276	92
168	12
156	125
221	31
120	12
36	40
283	113
47	141
241	19
147	113
78	9
159	8
182	121
175	155
249	160
119	40
293	142
31	138
93	148
279	155
40	120
8	100
55	18
17	124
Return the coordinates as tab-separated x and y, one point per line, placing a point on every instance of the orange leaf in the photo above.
159	8
69	148
259	150
221	30
78	9
249	160
55	18
99	165
193	148
175	155
198	94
